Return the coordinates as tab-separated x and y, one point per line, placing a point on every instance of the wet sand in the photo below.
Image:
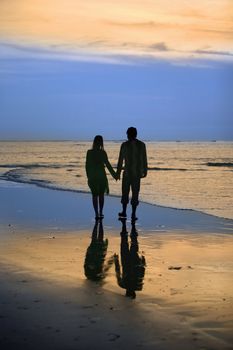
52	297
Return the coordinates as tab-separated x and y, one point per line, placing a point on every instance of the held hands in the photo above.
116	176
144	174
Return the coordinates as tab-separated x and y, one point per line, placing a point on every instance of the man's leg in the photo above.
101	204
135	184
125	195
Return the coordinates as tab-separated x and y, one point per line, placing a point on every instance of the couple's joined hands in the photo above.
117	176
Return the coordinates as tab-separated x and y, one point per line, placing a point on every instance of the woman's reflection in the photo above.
94	265
131	272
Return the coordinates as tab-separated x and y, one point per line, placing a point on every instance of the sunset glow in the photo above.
154	29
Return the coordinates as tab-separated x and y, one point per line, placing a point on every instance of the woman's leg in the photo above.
95	204
101	203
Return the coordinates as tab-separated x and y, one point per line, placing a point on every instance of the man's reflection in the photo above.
131	272
94	265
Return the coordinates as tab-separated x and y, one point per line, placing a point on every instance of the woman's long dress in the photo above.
96	160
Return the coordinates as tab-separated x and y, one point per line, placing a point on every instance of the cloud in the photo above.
213	52
161	46
123	53
13	50
172	26
117	32
194	63
144	24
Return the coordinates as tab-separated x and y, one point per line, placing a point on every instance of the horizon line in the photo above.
115	140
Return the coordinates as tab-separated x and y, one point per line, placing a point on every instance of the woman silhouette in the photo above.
96	160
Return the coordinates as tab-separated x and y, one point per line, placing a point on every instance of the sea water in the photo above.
184	175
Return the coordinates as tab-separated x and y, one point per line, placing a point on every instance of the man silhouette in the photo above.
133	155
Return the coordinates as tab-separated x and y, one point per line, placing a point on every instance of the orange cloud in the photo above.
165	28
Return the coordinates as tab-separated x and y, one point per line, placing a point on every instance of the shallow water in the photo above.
187	175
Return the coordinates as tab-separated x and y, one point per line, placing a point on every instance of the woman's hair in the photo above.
98	142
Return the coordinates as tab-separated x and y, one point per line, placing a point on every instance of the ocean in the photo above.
182	175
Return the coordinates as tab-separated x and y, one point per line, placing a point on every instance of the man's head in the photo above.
131	133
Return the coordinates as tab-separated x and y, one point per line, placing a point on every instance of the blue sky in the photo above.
73	69
57	99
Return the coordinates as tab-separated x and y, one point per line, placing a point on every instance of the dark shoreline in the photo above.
45	184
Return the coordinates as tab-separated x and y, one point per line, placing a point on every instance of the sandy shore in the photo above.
53	296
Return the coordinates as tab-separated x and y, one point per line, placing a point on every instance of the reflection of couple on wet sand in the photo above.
132	159
130	269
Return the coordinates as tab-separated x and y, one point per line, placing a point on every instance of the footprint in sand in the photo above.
23	308
113	336
175	268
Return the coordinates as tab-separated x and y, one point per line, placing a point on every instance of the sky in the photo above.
71	69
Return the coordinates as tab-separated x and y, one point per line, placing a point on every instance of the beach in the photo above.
116	101
51	299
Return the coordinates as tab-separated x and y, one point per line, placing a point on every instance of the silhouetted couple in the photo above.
132	159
